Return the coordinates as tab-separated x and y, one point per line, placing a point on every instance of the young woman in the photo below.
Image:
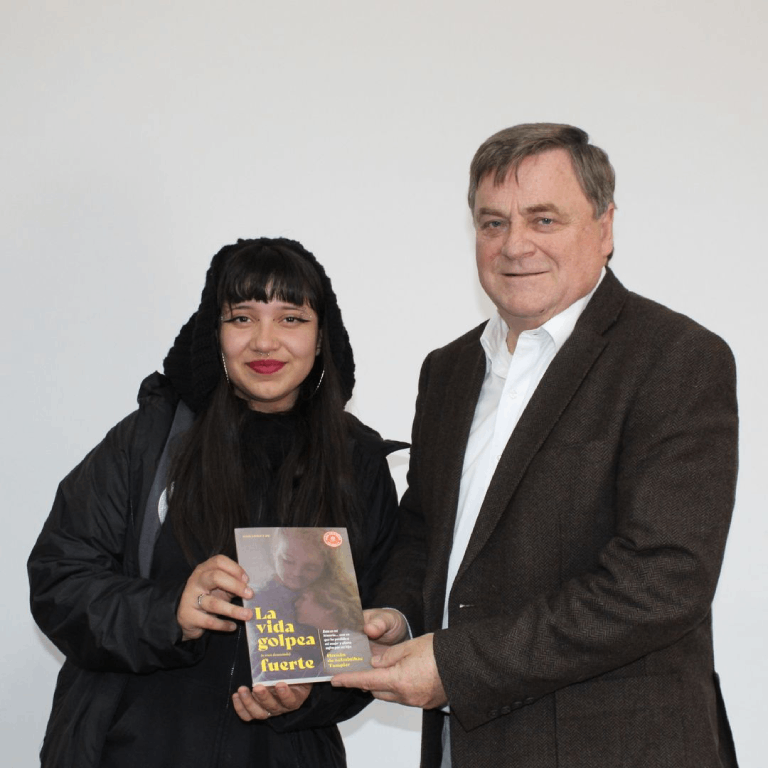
133	576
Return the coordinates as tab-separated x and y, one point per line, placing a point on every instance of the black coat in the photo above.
111	624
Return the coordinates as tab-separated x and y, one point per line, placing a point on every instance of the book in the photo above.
307	622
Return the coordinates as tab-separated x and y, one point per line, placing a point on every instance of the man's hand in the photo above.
405	673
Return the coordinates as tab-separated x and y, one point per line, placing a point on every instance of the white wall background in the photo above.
136	139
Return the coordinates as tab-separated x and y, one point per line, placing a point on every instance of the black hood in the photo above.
193	364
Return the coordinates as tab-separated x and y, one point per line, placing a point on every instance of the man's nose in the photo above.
517	243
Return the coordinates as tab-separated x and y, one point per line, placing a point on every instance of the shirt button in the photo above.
512	393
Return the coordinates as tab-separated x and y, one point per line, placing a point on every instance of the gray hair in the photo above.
504	151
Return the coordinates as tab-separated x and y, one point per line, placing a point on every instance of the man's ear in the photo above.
606	229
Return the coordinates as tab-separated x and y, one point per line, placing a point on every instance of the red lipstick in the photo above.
265	366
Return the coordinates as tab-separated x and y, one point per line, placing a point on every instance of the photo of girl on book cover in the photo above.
306	604
333	608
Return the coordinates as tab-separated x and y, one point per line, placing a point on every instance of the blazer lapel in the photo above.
462	389
556	389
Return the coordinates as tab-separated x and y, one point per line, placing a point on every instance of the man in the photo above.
570	490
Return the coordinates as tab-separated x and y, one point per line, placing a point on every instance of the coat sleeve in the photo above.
653	580
100	618
327	705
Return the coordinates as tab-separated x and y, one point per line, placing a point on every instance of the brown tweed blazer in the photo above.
580	627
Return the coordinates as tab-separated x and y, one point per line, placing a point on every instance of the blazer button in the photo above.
493	713
529	701
505	710
517	705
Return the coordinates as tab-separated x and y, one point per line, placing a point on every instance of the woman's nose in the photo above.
264	337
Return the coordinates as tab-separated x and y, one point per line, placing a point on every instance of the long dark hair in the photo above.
313	486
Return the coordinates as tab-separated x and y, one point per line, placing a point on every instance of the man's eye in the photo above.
546	221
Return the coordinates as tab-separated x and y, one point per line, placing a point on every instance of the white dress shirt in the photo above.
510	381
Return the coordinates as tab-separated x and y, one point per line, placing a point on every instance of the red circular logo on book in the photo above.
332	538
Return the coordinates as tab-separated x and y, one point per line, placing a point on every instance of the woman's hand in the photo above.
384	627
262	702
208	595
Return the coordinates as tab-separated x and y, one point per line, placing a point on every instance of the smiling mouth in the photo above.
265	366
523	274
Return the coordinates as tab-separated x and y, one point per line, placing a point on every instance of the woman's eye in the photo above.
293	320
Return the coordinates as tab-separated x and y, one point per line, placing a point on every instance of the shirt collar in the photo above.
558	328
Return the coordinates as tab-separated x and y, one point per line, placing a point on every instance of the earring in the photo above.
226	372
320	381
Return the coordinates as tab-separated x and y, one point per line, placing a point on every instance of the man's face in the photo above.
539	246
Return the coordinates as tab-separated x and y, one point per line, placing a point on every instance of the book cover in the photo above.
307	622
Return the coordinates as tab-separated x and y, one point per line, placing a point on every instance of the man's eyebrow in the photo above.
542	208
490	212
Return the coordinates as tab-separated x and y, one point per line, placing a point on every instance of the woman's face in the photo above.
298	563
269	349
309	611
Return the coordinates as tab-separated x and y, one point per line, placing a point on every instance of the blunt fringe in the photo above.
277	274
